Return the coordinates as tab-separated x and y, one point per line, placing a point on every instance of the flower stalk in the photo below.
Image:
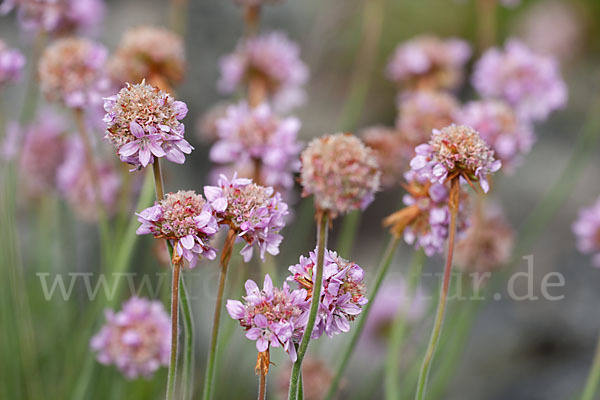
593	379
174	331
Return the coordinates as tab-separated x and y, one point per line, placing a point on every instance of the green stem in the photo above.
453	204
594	377
399	326
322	219
172	375
348	233
188	355
486	24
382	269
262	386
300	387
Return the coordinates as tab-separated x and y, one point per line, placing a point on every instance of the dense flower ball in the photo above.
508	135
72	71
258	136
486	245
428	62
420	112
43	152
77	185
271	57
341	172
256	213
342	294
12	62
148	52
272	317
186	219
587	230
137	339
392	151
56	16
456	150
143	123
527	81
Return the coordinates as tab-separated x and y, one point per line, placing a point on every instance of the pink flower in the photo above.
529	82
136	340
587	230
255	212
12	62
272	317
186	219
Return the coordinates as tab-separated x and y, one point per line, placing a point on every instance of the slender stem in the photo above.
322	219
174	332
453	204
188	354
251	19
262	386
348	233
301	387
382	269
594	377
158	180
486	17
178	16
212	356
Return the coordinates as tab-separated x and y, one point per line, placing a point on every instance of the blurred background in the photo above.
517	350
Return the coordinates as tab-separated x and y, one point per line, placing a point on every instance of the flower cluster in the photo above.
256	213
136	339
392	151
272	316
272	58
341	172
428	62
12	62
456	150
77	185
587	229
148	52
527	81
342	293
508	135
58	16
257	136
72	71
186	219
143	123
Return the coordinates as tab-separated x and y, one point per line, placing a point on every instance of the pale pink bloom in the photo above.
12	62
587	230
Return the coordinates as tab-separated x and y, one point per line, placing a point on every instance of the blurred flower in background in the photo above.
392	151
587	230
12	62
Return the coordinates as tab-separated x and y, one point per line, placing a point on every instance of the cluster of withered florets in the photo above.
186	219
72	71
143	123
151	53
341	172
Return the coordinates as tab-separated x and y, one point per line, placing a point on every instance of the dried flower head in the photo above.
508	135
72	71
587	230
136	340
455	151
143	123
341	172
148	52
529	82
392	151
184	218
258	136
77	185
420	112
273	59
272	317
12	62
428	62
256	213
342	293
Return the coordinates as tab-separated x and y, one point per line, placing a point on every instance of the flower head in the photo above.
186	219
72	71
272	317
508	135
341	172
422	111
136	339
587	230
256	213
428	62
342	294
527	81
148	52
272	58
12	62
143	123
456	150
258	136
